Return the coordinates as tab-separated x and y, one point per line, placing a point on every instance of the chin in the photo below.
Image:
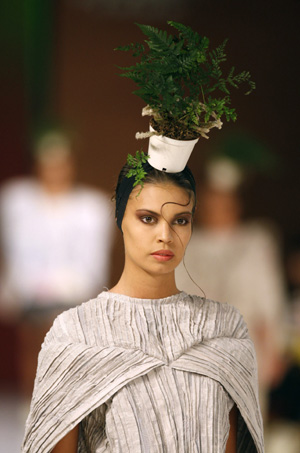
164	268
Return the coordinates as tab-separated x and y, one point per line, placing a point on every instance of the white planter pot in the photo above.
167	154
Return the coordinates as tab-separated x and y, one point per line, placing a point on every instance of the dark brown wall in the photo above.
263	38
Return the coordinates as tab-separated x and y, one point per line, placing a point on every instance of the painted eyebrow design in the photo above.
158	214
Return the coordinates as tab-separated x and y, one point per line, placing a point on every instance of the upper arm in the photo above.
69	443
232	438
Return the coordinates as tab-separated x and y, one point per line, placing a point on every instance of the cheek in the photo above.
184	238
134	240
187	234
187	240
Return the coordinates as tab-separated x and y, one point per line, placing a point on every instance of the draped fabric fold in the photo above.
211	358
78	380
114	348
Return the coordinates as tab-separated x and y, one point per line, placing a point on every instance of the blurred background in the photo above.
58	67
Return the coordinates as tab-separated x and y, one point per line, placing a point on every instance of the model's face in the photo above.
156	237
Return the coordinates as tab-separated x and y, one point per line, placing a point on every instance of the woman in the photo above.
146	367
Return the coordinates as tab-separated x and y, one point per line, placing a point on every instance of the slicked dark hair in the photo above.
183	179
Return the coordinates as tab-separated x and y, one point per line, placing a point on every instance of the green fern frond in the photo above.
136	48
218	55
252	87
185	32
159	40
136	163
176	74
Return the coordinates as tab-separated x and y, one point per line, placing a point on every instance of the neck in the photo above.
56	189
147	286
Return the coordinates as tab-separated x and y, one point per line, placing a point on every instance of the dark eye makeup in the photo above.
150	218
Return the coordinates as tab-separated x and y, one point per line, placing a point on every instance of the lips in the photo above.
163	255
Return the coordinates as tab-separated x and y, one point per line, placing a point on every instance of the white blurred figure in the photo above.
284	432
238	263
56	239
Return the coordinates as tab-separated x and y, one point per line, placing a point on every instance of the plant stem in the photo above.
202	94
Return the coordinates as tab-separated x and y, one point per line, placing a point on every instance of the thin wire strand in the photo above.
186	269
183	261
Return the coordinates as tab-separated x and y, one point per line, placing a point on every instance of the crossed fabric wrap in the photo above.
94	351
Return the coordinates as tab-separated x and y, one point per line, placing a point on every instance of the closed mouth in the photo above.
163	253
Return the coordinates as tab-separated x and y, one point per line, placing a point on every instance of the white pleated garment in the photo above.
139	375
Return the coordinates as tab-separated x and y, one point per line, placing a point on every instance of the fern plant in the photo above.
136	167
181	82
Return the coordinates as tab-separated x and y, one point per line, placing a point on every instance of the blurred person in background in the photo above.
236	261
56	238
285	395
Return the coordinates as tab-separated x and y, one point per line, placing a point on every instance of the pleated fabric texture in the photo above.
143	375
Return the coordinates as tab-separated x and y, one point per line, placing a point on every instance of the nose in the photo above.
165	233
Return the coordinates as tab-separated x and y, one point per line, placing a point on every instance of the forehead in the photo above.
153	196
